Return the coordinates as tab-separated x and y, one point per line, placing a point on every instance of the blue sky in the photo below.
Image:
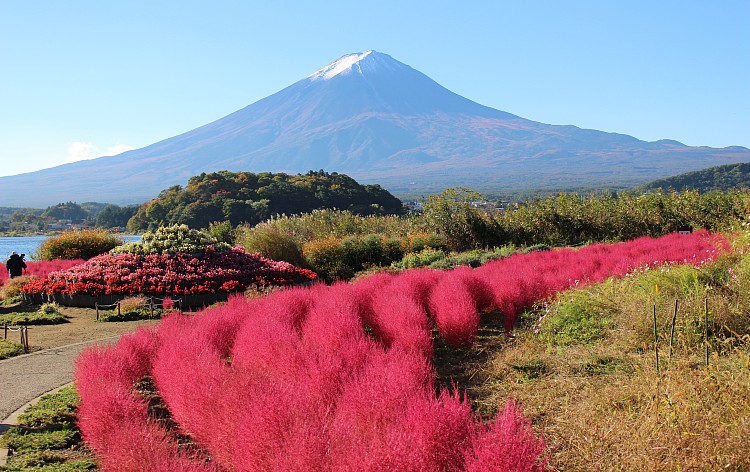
89	78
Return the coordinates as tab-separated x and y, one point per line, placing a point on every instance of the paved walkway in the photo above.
24	378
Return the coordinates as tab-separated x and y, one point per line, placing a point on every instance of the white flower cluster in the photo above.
171	240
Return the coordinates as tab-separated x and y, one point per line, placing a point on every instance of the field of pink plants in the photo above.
337	377
169	274
42	268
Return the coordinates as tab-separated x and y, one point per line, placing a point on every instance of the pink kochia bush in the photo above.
42	268
170	274
335	378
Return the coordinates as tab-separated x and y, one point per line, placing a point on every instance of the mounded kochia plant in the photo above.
336	377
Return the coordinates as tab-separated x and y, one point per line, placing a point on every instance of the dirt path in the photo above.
54	350
81	327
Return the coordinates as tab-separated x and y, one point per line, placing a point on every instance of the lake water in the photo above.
29	244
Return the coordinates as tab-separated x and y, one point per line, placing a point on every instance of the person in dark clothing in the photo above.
15	265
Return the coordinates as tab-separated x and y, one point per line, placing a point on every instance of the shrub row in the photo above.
336	258
335	377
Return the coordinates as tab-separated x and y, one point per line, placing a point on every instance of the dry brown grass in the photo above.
131	304
12	287
600	409
604	406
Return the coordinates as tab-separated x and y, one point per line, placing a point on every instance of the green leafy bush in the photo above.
571	219
415	242
421	258
23	440
454	215
340	258
223	232
77	244
171	240
372	250
272	243
324	256
321	224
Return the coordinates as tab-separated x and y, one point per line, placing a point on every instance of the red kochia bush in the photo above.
42	268
170	274
507	443
520	280
335	378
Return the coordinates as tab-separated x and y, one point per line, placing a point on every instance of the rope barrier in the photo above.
24	330
97	306
160	301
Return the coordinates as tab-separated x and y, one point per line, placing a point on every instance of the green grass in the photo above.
47	438
130	315
576	317
9	349
11	300
33	318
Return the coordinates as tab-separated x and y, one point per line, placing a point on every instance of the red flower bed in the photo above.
335	378
42	268
170	274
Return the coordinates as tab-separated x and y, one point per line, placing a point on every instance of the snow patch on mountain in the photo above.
339	66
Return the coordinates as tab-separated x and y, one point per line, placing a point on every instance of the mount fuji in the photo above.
379	121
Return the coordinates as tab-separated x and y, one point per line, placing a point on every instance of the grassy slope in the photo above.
584	368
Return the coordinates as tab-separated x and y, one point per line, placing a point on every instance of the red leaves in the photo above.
170	274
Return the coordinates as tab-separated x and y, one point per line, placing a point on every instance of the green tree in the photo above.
457	215
66	211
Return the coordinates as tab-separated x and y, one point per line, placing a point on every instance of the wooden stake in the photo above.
671	333
656	341
705	328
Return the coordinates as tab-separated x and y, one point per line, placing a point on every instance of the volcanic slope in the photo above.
379	121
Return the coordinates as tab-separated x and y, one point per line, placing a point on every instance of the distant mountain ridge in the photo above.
726	177
379	121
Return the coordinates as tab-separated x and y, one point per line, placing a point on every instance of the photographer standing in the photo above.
15	265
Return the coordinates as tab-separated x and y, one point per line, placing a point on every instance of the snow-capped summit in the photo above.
358	62
339	66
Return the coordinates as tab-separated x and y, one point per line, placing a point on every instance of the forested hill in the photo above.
245	197
726	177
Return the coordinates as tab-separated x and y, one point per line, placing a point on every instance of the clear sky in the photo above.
89	78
